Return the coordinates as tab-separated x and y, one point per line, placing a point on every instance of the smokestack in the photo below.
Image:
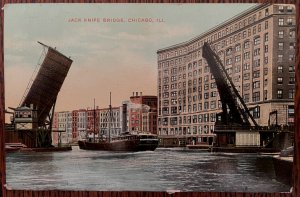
132	93
141	94
136	93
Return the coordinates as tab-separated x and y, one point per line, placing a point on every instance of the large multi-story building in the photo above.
257	48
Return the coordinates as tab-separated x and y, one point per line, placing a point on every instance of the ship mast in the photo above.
109	124
94	119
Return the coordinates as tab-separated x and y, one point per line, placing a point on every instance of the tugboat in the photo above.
124	142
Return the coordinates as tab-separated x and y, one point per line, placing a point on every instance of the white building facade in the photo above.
110	121
257	48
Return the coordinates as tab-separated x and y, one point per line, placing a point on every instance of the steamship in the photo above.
123	142
126	141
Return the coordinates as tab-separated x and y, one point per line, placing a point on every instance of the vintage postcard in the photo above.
150	97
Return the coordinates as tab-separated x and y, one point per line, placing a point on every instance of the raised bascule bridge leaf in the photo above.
44	89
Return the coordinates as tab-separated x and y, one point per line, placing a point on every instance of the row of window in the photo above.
243	35
190	108
182	93
89	114
291	80
256	97
229	61
256	41
288	21
291	46
193	98
291	93
290	58
208	117
167	110
283	9
213	94
291	33
190	84
224	32
195	129
256	63
280	68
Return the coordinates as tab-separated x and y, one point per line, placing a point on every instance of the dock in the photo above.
198	146
50	149
245	149
19	147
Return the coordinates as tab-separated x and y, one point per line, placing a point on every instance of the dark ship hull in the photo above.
123	143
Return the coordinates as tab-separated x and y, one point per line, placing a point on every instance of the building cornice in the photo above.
220	26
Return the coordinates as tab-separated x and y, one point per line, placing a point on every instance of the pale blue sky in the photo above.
116	57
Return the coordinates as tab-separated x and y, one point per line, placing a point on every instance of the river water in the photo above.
161	170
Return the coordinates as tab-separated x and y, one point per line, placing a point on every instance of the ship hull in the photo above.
120	145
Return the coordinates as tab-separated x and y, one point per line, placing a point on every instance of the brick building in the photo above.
141	113
79	124
93	122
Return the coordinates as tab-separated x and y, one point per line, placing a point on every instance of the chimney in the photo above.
136	93
132	93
